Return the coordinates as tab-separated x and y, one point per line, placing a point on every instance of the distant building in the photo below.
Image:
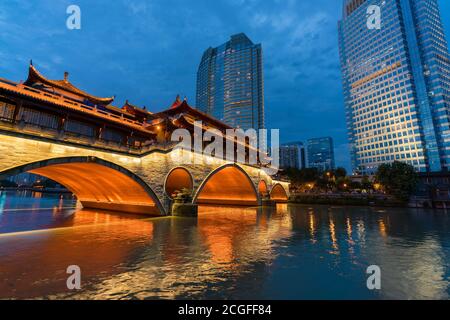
230	84
396	80
320	153
292	155
25	179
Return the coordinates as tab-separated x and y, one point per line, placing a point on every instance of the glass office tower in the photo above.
396	81
230	84
320	153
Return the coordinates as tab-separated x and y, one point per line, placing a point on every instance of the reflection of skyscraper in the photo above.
320	153
230	84
396	84
292	155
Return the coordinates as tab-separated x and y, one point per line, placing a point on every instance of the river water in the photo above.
287	252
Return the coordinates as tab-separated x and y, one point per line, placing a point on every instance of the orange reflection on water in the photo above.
220	227
382	227
349	231
312	228
332	227
36	261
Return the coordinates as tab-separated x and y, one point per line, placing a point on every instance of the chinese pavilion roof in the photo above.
135	110
64	94
183	109
35	77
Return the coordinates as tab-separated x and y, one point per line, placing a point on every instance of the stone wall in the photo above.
152	168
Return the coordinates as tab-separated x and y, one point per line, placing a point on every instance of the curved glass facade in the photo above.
396	81
230	84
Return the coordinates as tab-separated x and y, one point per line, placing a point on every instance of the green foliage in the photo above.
324	181
355	185
366	183
398	179
340	173
347	200
343	183
302	176
313	180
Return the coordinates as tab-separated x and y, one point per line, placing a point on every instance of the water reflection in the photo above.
288	252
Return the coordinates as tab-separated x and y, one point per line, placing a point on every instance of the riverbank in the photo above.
41	190
347	200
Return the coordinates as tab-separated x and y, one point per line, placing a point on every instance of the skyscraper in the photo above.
230	84
396	79
292	155
320	153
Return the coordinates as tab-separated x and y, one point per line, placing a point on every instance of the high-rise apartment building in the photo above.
230	84
396	79
292	155
320	153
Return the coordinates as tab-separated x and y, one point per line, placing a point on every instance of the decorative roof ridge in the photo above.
177	102
143	109
179	105
34	75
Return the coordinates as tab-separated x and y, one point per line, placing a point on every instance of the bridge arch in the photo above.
97	183
278	193
229	185
262	188
177	179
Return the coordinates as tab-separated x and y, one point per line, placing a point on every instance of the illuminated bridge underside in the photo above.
106	181
97	186
279	194
230	186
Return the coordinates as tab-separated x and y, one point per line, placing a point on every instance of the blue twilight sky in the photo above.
149	51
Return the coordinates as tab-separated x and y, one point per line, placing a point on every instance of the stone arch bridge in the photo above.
117	158
136	183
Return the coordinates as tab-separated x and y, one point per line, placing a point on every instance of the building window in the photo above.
41	119
112	135
80	128
6	111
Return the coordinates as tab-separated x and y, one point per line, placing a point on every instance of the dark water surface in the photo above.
291	252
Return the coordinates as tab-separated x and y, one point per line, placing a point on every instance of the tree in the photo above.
398	179
322	184
343	183
308	175
366	183
355	185
340	172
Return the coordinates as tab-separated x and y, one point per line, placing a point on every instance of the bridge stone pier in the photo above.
136	183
